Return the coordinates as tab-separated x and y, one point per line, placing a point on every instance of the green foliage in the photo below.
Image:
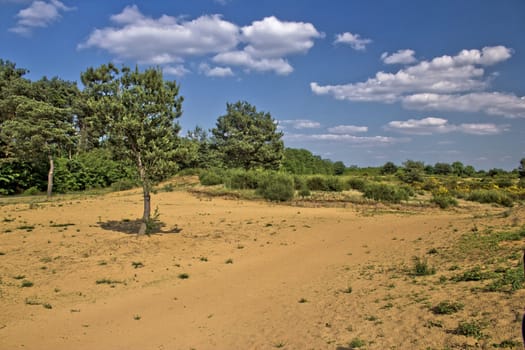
316	183
473	274
31	191
412	171
239	179
388	168
490	196
443	198
422	268
511	280
447	308
339	168
385	192
357	183
123	185
470	329
277	187
248	139
212	177
303	162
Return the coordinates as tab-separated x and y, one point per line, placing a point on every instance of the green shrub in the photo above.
277	187
357	183
422	268
334	184
316	183
470	329
385	192
443	200
212	177
31	191
123	185
239	179
447	308
491	196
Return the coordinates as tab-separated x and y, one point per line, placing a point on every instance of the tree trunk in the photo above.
50	176
147	197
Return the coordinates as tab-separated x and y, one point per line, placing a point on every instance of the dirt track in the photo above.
287	285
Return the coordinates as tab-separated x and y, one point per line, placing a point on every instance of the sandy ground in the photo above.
260	276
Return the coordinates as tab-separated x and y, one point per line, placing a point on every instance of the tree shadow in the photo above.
133	226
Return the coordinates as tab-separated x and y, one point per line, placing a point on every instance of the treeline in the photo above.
57	137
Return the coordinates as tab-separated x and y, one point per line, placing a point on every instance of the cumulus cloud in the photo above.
354	40
218	72
493	103
268	41
261	46
163	40
399	57
347	129
39	14
300	123
433	125
451	82
178	70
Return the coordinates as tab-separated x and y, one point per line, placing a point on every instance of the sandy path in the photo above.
280	255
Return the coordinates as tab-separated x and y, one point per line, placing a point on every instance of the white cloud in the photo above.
300	123
369	141
178	70
449	82
432	125
399	57
39	14
354	40
163	40
493	103
347	129
267	43
261	46
219	72
243	59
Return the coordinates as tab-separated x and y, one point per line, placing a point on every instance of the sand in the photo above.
259	276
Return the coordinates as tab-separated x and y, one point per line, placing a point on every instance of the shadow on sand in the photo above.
133	226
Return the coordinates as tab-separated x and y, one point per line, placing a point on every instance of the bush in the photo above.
447	308
239	179
422	268
123	185
334	184
385	192
357	183
31	191
316	183
212	177
276	187
442	198
490	196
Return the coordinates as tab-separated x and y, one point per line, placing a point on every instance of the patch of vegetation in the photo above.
26	284
422	268
385	192
137	317
62	225
509	280
28	228
277	187
491	196
357	343
108	281
184	276
229	261
472	329
447	308
473	274
507	344
137	264
302	301
347	290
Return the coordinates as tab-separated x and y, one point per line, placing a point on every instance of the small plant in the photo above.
422	268
19	277
137	264
184	276
137	317
47	306
347	290
279	345
474	274
229	261
302	301
203	259
26	284
2	253
447	308
107	281
432	251
472	329
507	344
356	343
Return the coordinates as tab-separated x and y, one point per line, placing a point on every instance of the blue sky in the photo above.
364	82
